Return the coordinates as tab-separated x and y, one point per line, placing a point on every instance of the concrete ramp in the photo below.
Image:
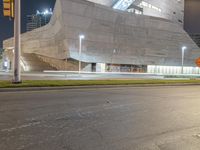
31	62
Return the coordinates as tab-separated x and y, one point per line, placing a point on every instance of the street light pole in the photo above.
17	42
183	55
81	37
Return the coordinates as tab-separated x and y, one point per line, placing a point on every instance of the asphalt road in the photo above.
142	118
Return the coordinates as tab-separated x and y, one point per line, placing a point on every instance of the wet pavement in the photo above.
123	118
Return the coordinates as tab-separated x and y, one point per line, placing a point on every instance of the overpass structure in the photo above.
120	36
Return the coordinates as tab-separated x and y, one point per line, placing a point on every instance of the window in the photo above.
145	4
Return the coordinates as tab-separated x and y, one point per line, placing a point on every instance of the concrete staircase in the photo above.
59	64
37	63
31	62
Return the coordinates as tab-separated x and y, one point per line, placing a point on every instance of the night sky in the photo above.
192	16
28	7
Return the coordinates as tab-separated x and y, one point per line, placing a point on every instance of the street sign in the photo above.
198	62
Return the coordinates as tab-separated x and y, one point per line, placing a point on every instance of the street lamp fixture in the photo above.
81	37
183	54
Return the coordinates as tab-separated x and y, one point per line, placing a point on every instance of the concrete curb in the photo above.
91	87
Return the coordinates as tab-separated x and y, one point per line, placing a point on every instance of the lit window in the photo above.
145	4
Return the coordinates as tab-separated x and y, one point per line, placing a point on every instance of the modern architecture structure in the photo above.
120	35
38	20
172	10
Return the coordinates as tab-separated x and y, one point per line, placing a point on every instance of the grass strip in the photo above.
59	83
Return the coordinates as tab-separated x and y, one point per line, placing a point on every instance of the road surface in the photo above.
138	118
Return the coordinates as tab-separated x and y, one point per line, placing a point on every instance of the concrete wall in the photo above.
170	9
111	36
136	39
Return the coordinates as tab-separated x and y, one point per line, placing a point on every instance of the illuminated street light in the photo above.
183	54
81	37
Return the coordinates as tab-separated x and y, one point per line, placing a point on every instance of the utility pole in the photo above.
17	42
12	9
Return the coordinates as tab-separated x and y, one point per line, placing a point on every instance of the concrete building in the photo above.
172	10
116	37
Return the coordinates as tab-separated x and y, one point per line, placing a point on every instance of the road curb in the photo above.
22	89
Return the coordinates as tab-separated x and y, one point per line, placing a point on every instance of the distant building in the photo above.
196	38
38	20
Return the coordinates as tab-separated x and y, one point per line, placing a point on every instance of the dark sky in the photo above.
28	7
192	16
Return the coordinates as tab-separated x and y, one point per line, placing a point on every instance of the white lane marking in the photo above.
20	127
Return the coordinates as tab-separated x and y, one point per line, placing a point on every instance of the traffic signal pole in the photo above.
17	42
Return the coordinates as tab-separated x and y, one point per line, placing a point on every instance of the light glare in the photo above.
81	36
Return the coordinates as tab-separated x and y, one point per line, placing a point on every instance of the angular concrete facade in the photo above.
111	37
169	9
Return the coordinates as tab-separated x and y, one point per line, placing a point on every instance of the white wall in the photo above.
100	67
172	70
170	9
